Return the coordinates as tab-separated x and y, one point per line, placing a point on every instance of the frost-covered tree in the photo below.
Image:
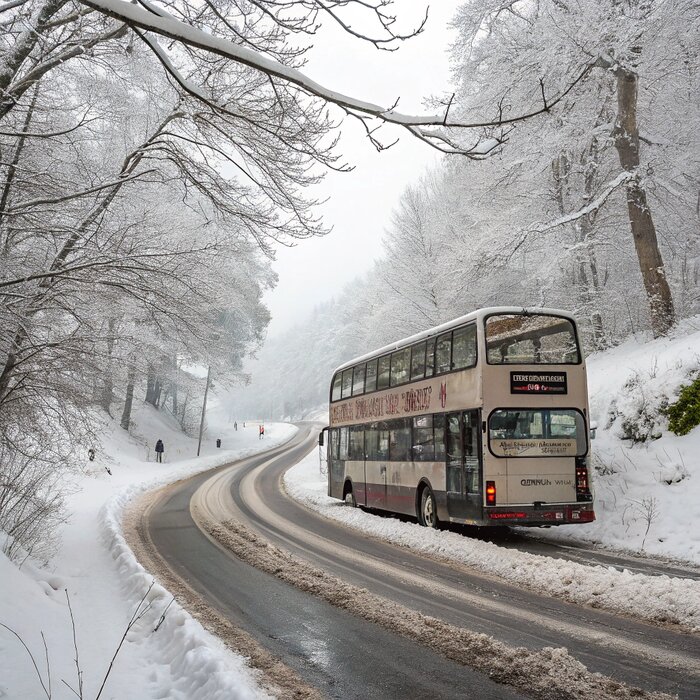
631	76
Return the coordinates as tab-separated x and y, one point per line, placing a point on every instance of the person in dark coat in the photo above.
160	448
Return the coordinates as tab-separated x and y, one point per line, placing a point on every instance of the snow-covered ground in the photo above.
647	498
105	583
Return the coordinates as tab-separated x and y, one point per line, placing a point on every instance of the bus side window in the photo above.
347	383
343	444
443	352
334	436
383	447
439	437
430	357
337	382
371	376
358	380
372	442
400	440
418	361
383	372
464	348
357	443
400	362
423	444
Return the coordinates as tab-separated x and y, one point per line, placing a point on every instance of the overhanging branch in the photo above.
164	24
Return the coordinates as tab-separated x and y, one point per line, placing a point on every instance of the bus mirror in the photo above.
320	439
593	428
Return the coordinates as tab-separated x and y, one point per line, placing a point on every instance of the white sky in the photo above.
360	203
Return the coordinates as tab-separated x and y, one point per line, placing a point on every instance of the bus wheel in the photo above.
428	511
350	497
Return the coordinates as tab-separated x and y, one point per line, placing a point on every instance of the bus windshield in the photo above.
530	339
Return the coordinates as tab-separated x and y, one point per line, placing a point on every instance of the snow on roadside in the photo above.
657	598
181	660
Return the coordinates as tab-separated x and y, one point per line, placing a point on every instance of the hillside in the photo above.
646	479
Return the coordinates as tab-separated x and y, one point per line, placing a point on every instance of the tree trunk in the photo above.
5	240
646	244
151	385
10	363
585	269
156	392
107	393
23	46
173	386
126	413
589	161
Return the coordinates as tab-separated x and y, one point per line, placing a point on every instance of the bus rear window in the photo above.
544	432
531	339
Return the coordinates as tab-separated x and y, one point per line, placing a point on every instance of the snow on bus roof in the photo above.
436	330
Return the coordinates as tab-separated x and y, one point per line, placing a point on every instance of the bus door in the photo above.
463	467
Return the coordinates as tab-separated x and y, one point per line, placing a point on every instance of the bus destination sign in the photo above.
538	383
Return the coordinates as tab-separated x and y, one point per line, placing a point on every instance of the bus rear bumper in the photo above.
531	516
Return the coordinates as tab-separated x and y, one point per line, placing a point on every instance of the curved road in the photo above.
345	656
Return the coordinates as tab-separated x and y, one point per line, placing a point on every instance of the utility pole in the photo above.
204	409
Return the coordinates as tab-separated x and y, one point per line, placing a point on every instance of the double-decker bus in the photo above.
482	420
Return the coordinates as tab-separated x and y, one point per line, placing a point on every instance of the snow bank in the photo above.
657	598
181	660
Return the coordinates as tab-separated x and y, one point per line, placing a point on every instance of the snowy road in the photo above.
346	655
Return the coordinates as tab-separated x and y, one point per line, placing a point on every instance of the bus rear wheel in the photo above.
427	515
350	497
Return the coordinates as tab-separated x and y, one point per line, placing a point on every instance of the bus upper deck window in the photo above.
371	376
430	357
418	361
347	383
335	392
464	347
383	372
443	353
400	362
358	380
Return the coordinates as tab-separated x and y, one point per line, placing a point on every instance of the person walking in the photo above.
160	448
235	425
261	431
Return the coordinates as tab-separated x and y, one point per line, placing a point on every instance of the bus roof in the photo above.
473	316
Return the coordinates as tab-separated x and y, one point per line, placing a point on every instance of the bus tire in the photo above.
427	515
349	496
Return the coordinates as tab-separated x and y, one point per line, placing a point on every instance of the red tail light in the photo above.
490	493
581	479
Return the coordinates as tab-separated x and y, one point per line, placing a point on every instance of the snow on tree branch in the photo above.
596	204
157	20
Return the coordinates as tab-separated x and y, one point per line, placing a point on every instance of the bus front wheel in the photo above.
428	510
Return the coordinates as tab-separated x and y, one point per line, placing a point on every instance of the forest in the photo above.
153	156
593	208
